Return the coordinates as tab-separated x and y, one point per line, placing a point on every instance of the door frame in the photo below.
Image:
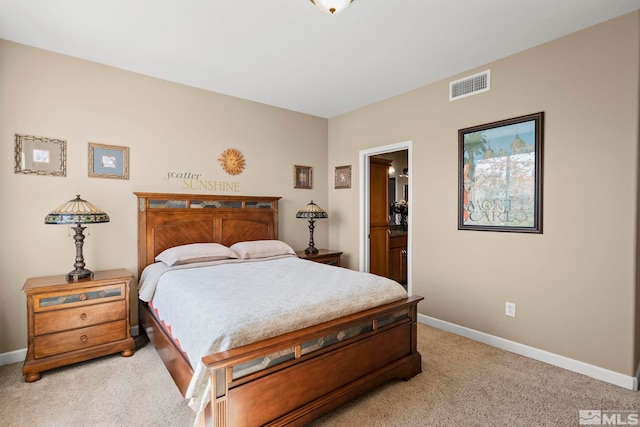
364	156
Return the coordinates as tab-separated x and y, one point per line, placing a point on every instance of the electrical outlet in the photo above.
510	309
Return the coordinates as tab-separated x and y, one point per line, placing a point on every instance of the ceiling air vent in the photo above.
471	85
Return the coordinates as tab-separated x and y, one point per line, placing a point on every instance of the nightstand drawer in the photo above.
64	342
78	297
78	317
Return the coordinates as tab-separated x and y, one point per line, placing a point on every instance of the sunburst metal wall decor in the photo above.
232	161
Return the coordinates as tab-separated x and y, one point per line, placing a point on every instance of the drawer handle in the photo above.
83	316
83	338
83	297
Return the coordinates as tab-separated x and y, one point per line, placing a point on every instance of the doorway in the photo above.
365	202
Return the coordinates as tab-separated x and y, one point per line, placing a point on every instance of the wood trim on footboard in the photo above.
313	382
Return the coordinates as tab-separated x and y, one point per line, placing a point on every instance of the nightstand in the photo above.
70	322
324	256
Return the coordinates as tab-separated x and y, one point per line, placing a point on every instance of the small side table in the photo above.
70	322
324	256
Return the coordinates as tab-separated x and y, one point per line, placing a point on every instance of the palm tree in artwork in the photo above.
475	143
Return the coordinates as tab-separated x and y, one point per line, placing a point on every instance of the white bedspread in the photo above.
227	305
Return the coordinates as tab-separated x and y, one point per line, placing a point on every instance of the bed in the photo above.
287	379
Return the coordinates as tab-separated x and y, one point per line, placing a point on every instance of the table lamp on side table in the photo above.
311	212
78	212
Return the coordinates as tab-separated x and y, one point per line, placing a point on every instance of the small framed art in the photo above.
36	155
108	161
343	177
302	176
500	175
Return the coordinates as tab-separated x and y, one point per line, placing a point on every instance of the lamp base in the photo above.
79	273
311	250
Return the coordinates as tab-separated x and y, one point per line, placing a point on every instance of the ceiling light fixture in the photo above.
331	7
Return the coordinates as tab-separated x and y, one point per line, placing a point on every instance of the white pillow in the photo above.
195	252
261	249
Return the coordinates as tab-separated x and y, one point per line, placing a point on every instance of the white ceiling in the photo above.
288	54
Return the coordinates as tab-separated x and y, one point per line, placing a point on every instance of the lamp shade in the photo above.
331	7
311	211
76	211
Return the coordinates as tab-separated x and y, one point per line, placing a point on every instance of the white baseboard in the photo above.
19	355
592	371
13	357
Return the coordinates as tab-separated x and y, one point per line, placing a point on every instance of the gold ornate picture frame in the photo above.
108	161
343	177
37	155
302	177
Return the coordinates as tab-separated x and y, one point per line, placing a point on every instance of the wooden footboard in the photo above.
313	382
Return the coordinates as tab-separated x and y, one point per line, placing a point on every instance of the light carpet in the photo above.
463	383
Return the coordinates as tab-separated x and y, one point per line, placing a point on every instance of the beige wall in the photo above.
168	127
574	286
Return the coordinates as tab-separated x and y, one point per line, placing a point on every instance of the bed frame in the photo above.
311	382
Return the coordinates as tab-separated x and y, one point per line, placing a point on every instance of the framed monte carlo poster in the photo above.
500	175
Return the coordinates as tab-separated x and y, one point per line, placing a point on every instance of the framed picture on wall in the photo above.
37	155
108	161
500	175
343	177
302	177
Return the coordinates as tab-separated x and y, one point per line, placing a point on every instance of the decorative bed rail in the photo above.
286	377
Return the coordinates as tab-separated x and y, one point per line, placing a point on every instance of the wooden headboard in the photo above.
166	220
